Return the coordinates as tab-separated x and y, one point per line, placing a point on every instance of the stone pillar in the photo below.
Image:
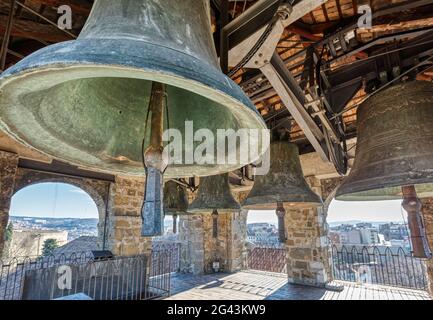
199	249
8	168
308	247
191	236
427	209
124	221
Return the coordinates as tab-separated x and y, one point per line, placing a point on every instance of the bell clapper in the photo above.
174	223
215	224
413	206
281	213
152	212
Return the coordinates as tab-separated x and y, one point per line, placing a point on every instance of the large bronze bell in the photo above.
86	101
394	154
214	195
394	145
285	182
175	201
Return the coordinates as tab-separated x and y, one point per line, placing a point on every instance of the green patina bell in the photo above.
284	183
394	145
175	199
86	101
214	196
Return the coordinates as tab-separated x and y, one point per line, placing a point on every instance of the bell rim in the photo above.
210	210
360	194
33	68
260	205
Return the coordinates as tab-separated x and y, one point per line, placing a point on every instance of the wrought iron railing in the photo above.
140	277
379	265
173	248
269	257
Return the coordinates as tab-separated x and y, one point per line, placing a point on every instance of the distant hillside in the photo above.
75	227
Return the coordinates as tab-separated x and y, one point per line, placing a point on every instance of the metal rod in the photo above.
45	19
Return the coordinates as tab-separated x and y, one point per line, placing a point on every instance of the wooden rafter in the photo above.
34	30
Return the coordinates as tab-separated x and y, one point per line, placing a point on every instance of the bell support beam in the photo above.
279	76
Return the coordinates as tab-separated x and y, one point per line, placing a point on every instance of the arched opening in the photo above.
370	243
51	217
375	216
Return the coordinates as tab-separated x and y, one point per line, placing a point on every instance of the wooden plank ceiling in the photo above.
30	33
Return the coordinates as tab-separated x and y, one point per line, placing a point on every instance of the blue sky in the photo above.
59	200
53	200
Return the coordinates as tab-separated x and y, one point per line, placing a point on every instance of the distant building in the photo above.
350	237
369	236
394	231
262	232
364	225
84	244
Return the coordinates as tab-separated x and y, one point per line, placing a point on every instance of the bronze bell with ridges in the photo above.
394	145
214	194
175	199
284	183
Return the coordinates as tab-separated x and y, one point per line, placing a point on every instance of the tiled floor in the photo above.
256	285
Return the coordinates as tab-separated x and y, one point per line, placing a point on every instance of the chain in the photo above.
255	48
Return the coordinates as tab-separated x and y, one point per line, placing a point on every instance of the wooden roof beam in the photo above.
81	7
33	30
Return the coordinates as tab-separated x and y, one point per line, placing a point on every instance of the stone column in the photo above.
191	236
308	247
427	209
8	168
199	249
124	221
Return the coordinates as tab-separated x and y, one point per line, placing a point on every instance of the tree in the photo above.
9	232
49	246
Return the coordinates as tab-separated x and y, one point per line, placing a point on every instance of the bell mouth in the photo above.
382	194
287	205
46	103
211	210
176	213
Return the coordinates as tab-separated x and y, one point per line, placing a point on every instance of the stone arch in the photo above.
96	189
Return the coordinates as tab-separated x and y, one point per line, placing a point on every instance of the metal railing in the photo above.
379	265
269	257
173	248
140	277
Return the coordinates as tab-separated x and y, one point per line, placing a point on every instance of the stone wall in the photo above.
124	222
198	247
428	221
8	168
191	236
309	257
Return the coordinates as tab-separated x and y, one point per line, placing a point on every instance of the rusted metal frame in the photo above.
381	40
6	37
44	18
352	26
